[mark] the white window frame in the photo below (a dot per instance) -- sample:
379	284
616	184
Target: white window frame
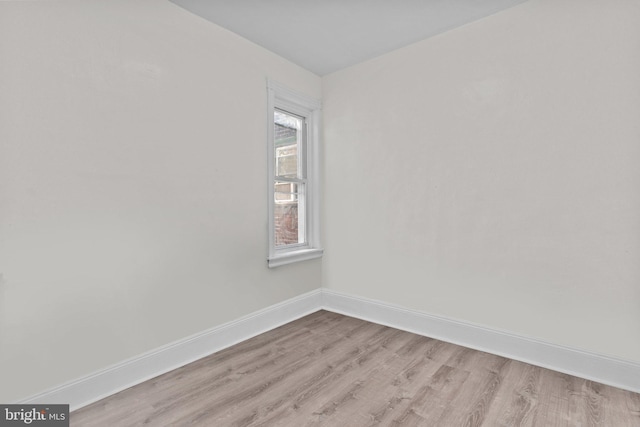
282	98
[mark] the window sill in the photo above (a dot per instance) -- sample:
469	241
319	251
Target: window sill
294	256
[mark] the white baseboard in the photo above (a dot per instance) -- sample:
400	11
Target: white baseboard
615	372
89	389
130	372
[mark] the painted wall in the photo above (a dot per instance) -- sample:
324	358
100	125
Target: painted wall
490	174
132	184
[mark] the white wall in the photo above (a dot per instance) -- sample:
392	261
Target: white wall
132	184
490	174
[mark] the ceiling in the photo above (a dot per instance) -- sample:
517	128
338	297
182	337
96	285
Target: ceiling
324	36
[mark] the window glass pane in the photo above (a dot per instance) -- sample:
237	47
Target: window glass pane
287	140
287	212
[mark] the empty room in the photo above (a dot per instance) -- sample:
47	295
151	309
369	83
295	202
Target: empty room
336	213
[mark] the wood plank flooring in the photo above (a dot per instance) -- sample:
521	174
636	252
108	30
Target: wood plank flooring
331	370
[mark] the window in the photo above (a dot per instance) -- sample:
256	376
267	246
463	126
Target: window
293	176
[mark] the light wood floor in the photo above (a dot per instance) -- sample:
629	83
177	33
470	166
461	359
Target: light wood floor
331	370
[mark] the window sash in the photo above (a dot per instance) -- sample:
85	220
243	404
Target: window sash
306	181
